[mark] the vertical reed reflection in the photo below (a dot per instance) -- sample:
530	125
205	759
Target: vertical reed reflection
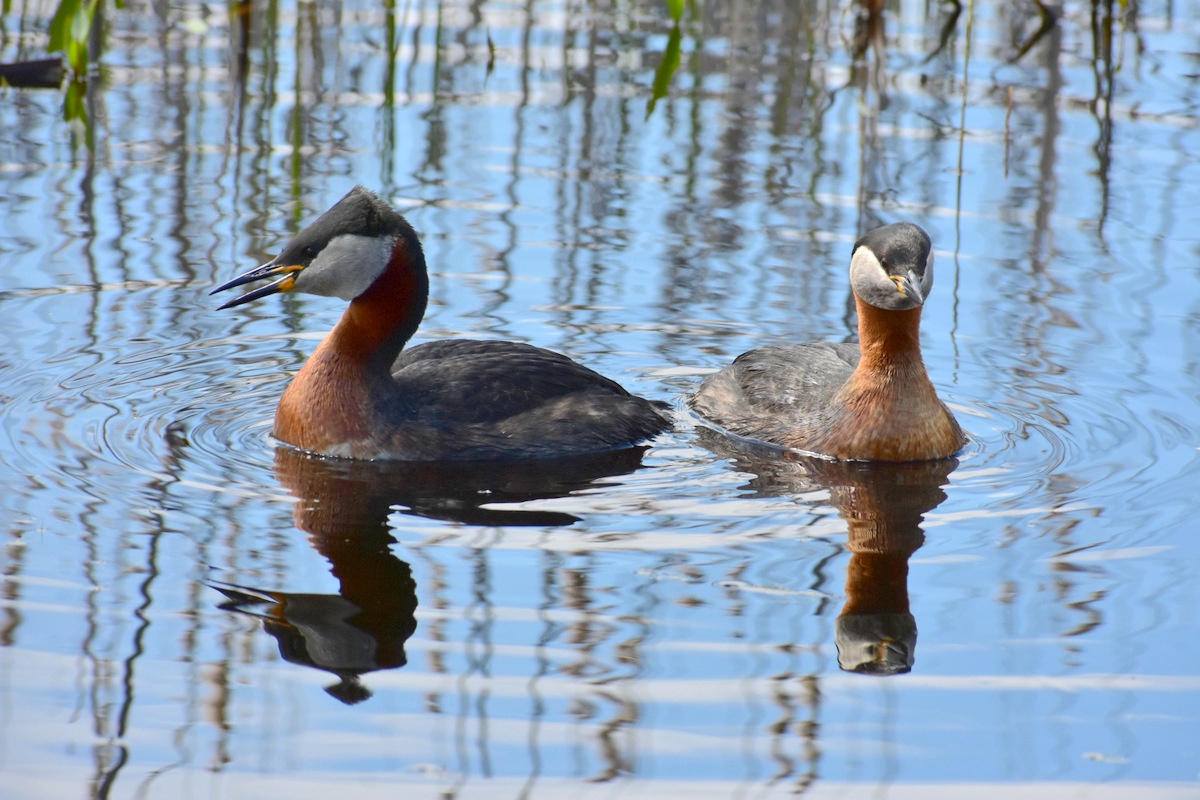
1042	245
386	115
869	74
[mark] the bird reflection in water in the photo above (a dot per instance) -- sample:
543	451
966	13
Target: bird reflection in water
883	504
344	505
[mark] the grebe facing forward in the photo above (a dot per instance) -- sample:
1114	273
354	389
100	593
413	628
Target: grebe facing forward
870	401
360	396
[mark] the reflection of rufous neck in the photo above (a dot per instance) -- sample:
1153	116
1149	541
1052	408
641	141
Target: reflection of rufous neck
382	587
877	577
346	518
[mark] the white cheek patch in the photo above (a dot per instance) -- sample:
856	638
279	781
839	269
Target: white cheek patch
869	279
346	267
865	268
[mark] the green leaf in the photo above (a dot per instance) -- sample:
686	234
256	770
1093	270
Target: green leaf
70	29
60	24
75	111
666	70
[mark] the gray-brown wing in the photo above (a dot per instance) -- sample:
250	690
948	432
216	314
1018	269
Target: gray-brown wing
773	390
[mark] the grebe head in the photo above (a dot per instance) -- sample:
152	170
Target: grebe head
341	254
892	267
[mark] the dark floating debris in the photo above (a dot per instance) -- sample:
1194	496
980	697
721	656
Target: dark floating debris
42	73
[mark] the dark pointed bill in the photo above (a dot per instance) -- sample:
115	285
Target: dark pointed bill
286	280
909	285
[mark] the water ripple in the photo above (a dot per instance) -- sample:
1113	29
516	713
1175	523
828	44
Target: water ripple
81	417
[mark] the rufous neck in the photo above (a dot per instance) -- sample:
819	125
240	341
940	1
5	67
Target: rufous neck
378	323
888	339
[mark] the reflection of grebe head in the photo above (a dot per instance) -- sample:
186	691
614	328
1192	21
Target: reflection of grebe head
350	691
876	644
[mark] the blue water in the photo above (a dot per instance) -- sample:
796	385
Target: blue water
664	624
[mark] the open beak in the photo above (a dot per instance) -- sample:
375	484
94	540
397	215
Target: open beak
909	285
286	279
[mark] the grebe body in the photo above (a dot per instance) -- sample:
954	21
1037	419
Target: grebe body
872	400
363	395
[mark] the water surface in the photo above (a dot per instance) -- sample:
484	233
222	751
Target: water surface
189	610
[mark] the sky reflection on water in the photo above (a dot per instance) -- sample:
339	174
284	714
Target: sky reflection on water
680	621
